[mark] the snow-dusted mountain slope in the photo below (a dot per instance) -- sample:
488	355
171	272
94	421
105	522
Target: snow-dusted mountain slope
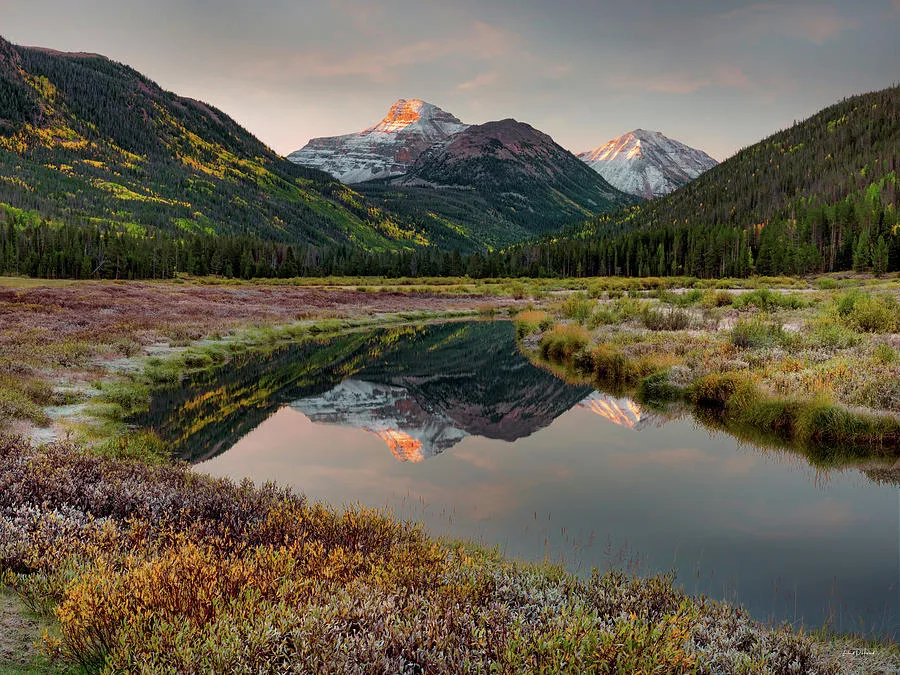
387	149
647	164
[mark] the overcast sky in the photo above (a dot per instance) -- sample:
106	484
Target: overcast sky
715	74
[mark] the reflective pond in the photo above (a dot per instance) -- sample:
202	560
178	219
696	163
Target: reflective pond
451	426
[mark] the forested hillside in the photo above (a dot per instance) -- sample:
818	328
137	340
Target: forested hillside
820	196
86	141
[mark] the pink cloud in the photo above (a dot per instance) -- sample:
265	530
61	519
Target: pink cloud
681	83
481	80
818	28
810	22
671	83
479	42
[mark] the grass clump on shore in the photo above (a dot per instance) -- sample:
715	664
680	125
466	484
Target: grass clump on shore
531	321
157	569
562	342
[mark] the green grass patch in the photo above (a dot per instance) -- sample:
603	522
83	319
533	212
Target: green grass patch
868	313
829	333
767	300
757	332
686	299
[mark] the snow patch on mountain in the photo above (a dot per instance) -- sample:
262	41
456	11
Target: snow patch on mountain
387	149
647	163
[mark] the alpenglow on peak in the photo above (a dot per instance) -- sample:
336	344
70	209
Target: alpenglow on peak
647	163
386	149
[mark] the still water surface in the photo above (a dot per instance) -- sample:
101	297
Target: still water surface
449	425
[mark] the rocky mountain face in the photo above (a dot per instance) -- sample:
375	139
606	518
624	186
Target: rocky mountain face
387	149
647	164
505	180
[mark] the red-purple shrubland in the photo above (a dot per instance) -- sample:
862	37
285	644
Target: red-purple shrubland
158	569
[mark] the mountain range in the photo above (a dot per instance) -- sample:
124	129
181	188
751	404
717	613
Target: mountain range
85	141
642	163
498	182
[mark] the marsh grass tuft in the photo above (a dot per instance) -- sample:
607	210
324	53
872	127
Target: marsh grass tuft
562	342
666	319
577	307
757	332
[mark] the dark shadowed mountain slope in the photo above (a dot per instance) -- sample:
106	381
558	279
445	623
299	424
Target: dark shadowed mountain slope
502	182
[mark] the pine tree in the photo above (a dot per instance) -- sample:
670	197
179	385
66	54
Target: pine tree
862	253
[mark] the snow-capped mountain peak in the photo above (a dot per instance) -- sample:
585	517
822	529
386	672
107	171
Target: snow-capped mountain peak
386	149
647	163
423	116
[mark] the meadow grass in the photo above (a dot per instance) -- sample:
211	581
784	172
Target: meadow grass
806	370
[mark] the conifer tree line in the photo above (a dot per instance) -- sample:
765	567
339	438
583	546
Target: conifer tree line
859	233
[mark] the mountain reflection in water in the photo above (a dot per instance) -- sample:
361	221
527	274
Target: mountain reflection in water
422	389
416	428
